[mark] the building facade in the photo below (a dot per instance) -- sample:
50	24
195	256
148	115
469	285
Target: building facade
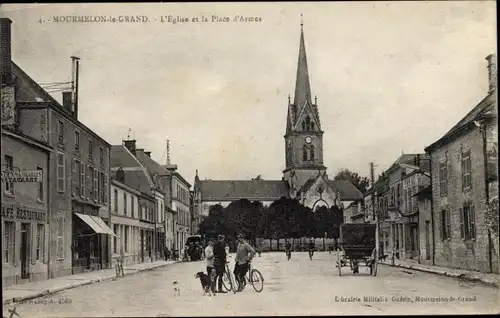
125	216
25	209
78	172
181	204
462	186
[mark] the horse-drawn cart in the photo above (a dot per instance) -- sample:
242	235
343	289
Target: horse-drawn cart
358	244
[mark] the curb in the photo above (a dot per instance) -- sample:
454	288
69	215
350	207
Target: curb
467	277
75	285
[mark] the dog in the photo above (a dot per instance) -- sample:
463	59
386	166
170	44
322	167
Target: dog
205	283
177	288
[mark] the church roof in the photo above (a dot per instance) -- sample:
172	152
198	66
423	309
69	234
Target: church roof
302	84
229	190
347	190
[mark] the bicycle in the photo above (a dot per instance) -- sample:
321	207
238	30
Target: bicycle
228	280
254	277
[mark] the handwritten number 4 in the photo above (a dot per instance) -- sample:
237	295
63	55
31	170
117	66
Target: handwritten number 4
13	312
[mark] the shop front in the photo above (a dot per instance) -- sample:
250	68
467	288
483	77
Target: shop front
24	255
90	241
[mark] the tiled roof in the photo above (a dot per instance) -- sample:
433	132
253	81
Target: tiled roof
348	192
483	106
121	157
228	190
307	185
152	166
138	180
27	90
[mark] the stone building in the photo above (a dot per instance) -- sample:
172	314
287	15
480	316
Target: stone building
78	188
464	177
304	176
25	206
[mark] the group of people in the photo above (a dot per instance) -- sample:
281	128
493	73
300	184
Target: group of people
216	254
311	248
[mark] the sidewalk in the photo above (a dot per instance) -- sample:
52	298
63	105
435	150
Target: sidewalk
486	278
18	293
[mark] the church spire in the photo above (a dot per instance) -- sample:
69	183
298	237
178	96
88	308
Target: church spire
302	85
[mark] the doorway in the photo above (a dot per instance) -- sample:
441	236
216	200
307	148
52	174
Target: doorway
25	250
427	241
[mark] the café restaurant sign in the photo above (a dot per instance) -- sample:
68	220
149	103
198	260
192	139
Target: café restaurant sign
21	213
22	176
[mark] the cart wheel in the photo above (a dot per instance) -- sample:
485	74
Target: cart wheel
339	263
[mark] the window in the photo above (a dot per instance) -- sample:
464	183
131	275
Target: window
60	131
125	239
91	149
99	187
124	203
61	172
443	180
103	189
116	200
82	180
115	239
445	224
467	222
304	153
9	241
101	155
77	141
60	238
132	207
40	186
94	188
40	234
9	163
311	153
466	171
308	123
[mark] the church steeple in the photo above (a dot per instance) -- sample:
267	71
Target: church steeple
302	85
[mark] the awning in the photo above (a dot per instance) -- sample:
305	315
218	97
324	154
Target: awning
96	224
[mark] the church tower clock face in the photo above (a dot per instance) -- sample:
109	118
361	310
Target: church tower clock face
308	139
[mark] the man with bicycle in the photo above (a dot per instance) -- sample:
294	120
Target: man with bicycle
244	255
219	251
288	250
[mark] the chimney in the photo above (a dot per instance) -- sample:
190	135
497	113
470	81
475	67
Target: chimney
5	50
492	72
120	175
148	153
130	144
66	100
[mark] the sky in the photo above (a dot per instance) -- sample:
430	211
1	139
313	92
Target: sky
390	77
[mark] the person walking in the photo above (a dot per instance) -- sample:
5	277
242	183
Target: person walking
209	255
244	255
311	248
288	250
220	261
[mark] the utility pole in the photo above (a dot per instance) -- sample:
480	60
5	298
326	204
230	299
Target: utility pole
375	212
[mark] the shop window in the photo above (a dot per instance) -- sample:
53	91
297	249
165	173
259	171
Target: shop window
60	238
9	163
40	234
61	172
9	242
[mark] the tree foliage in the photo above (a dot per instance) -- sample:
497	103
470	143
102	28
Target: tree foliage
362	183
285	217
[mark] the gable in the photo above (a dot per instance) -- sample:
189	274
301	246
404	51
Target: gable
307	110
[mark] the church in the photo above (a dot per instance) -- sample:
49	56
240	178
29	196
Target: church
304	177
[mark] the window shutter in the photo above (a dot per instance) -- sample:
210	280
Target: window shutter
95	184
448	223
440	225
82	180
462	225
106	189
45	243
73	177
472	222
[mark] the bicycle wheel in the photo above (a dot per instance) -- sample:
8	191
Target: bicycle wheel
257	280
226	281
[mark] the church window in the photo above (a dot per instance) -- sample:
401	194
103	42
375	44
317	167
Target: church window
308	123
304	153
312	126
303	125
311	153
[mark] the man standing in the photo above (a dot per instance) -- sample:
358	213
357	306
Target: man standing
220	261
288	250
209	254
311	248
244	255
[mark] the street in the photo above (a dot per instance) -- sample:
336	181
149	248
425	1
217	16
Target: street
296	287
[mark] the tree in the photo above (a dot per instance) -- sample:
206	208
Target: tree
362	183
